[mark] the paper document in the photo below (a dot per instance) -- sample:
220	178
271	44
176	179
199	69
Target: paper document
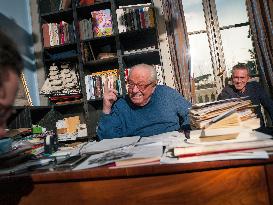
168	139
109	144
152	150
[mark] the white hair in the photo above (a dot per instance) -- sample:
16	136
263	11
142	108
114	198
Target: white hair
151	69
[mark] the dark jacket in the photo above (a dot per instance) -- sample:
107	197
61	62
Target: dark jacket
256	94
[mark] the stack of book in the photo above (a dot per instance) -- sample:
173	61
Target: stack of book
248	145
225	130
225	112
223	119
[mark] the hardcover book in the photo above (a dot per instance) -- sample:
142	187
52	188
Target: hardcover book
102	23
46	35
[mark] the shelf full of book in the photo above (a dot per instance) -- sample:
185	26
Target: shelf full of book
94	41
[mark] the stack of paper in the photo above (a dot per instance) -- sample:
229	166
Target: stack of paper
223	120
121	152
248	145
222	148
223	113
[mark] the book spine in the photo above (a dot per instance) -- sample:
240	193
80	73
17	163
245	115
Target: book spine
131	19
56	33
62	40
138	19
135	19
151	17
51	34
146	17
87	85
46	35
142	18
81	30
120	18
127	19
90	31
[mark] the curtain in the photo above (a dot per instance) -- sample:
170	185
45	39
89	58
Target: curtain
261	22
179	45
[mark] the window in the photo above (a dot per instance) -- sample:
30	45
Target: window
219	38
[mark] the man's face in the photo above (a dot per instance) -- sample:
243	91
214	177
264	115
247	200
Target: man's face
239	79
8	89
140	88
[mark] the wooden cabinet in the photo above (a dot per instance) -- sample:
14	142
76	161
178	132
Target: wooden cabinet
235	182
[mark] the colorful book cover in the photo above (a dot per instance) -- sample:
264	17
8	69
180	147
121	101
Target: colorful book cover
102	23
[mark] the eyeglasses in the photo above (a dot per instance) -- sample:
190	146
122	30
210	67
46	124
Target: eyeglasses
140	87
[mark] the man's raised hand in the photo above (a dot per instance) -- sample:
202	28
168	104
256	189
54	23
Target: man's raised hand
109	97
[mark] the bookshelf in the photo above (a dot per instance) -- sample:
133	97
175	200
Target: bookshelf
125	35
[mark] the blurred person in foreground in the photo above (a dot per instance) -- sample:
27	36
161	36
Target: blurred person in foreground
11	66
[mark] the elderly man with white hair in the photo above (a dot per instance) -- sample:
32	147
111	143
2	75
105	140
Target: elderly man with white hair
148	109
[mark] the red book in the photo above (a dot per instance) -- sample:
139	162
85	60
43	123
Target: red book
62	40
45	28
142	18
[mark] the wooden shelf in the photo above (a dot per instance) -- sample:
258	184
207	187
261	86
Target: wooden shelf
61	47
102	38
116	43
57	16
102	61
149	57
85	11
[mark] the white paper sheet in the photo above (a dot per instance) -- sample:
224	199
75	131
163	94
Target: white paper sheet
109	144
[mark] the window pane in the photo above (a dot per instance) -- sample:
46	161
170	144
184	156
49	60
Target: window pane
201	68
200	55
231	12
194	15
237	46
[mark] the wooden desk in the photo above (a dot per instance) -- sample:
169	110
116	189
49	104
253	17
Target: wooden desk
213	183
